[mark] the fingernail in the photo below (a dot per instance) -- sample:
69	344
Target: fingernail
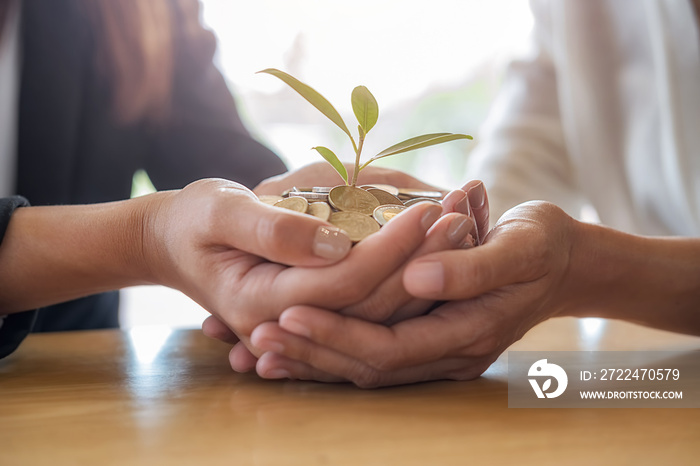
331	243
295	327
477	196
431	214
277	374
426	278
463	206
458	229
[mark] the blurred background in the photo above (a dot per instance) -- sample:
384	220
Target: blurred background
432	66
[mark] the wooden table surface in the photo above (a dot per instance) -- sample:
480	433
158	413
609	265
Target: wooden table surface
156	396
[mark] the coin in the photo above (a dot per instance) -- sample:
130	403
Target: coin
408	193
320	210
384	197
386	187
356	225
269	199
311	197
297	204
321	189
384	213
352	199
416	200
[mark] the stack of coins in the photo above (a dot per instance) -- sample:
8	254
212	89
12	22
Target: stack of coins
359	211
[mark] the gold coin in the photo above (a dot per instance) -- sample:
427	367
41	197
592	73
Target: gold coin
269	199
416	200
320	210
352	199
384	213
386	187
356	225
384	197
297	204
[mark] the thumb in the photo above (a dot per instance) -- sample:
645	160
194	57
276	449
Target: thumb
238	219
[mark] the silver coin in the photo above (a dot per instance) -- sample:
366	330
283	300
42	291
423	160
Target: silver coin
352	199
384	198
355	224
386	187
384	213
320	210
311	197
408	193
297	204
321	189
416	200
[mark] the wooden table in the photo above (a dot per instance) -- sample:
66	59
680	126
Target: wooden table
155	396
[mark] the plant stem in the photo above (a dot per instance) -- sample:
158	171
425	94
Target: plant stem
356	170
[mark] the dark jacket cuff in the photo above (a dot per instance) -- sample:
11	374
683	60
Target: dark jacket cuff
14	327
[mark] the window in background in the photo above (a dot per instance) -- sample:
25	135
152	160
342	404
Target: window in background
433	66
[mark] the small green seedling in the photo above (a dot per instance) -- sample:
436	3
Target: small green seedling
365	107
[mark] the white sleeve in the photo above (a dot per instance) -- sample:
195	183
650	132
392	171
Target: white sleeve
521	153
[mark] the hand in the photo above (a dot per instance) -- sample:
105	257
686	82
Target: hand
221	254
389	302
516	279
322	174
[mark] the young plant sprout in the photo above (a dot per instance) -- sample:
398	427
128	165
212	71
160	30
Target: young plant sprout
366	110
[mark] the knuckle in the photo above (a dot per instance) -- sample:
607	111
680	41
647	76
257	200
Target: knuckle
352	291
486	345
271	231
373	309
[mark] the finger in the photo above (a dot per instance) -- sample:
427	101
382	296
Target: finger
238	219
241	359
449	232
456	201
405	344
479	205
212	327
276	366
305	359
451	275
368	264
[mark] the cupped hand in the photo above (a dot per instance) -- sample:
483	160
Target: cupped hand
519	277
231	254
465	219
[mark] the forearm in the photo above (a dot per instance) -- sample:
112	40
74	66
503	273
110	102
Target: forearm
53	254
653	281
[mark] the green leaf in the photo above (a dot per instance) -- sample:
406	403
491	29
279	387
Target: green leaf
365	107
313	97
418	142
333	159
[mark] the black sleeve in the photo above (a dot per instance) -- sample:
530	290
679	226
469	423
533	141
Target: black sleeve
15	327
203	136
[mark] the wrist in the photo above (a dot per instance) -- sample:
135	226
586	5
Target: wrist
648	280
151	222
